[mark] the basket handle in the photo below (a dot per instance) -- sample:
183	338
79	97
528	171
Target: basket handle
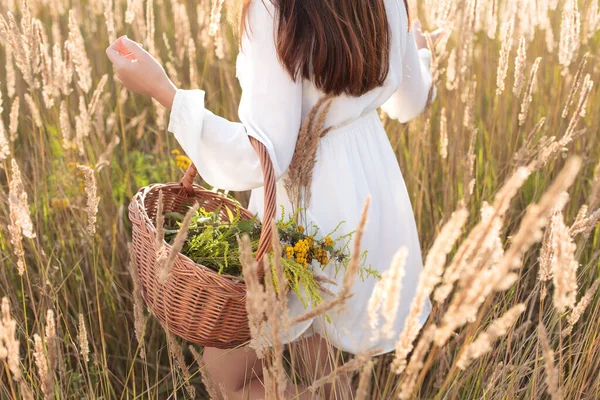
266	235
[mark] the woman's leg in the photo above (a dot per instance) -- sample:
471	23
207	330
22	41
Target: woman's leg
315	358
232	370
239	373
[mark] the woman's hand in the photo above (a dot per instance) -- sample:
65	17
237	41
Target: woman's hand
140	72
420	37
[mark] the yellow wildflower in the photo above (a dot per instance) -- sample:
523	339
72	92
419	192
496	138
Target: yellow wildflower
183	161
290	252
175	152
300	229
328	241
322	256
301	250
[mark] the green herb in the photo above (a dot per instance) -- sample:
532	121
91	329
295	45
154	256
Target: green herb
213	242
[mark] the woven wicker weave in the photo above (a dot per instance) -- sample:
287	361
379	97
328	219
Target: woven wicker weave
196	303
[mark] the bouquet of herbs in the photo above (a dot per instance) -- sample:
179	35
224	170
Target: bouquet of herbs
213	243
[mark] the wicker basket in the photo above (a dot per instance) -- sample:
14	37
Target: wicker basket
196	303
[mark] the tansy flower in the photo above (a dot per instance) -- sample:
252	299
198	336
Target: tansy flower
322	256
183	161
175	152
310	241
328	241
301	250
300	229
290	252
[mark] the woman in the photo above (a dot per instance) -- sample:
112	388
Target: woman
292	54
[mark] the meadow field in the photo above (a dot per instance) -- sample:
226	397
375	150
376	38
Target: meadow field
503	172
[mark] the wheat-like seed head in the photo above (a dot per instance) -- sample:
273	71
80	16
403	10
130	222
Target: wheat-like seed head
483	343
139	319
150	29
35	111
451	71
469	112
527	97
91	111
191	47
4	146
182	30
385	298
65	126
416	363
256	297
109	17
552	372
20	217
51	342
581	307
9	344
564	265
42	366
520	62
132	6
82	340
78	52
215	17
274	313
19	45
570	28
362	391
14	120
93	200
428	279
10	76
576	84
443	134
504	56
203	20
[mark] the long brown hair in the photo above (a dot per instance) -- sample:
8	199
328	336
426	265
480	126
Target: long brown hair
343	46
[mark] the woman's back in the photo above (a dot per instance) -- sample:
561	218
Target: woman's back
403	94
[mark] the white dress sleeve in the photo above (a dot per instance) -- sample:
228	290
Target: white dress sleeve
410	99
270	110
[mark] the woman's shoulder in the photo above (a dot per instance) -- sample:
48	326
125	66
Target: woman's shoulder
259	20
261	10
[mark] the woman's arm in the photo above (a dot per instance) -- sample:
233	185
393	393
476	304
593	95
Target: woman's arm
270	109
139	71
165	94
411	97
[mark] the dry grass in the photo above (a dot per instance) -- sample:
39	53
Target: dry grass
503	171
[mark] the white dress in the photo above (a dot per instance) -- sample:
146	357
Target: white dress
353	161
